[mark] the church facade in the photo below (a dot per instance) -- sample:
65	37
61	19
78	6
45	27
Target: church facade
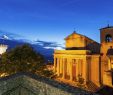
87	58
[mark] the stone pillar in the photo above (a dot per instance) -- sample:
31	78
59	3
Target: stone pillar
62	66
80	67
84	73
58	67
78	62
109	64
85	70
70	69
63	69
55	64
77	69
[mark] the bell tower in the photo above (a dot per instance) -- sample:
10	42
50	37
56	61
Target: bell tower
106	38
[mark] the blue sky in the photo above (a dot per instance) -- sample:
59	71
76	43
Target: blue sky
53	20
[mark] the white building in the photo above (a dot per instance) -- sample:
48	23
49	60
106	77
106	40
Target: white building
3	48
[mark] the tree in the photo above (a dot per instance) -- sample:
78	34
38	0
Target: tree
23	59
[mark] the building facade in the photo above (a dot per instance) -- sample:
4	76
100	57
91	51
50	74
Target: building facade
86	58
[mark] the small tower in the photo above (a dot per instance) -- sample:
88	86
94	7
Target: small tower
106	38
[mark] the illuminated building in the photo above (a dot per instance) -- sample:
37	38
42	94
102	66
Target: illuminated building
87	58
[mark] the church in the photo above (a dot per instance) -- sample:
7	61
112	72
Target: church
87	58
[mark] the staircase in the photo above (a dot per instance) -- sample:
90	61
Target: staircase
92	87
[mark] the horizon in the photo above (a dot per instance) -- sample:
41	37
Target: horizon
52	21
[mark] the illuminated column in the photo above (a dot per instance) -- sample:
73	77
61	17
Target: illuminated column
84	73
70	69
77	69
78	62
109	64
61	66
80	67
58	67
68	66
85	69
63	69
55	64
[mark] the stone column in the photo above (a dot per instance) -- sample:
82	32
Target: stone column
85	69
88	62
68	66
109	64
58	67
70	69
77	69
55	64
80	67
63	69
61	66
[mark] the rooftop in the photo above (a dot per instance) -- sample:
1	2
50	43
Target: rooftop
35	85
108	26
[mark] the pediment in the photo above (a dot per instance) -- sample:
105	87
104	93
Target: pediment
74	35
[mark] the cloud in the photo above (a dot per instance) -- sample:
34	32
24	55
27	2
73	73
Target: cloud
49	45
19	38
10	35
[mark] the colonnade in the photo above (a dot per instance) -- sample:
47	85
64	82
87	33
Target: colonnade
69	68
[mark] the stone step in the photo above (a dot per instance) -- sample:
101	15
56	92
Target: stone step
91	86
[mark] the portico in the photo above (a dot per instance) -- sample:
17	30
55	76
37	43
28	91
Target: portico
79	60
69	64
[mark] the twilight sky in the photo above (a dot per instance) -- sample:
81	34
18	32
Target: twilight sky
53	20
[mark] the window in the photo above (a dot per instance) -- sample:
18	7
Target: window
108	38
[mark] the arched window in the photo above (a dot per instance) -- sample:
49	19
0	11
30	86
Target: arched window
108	38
